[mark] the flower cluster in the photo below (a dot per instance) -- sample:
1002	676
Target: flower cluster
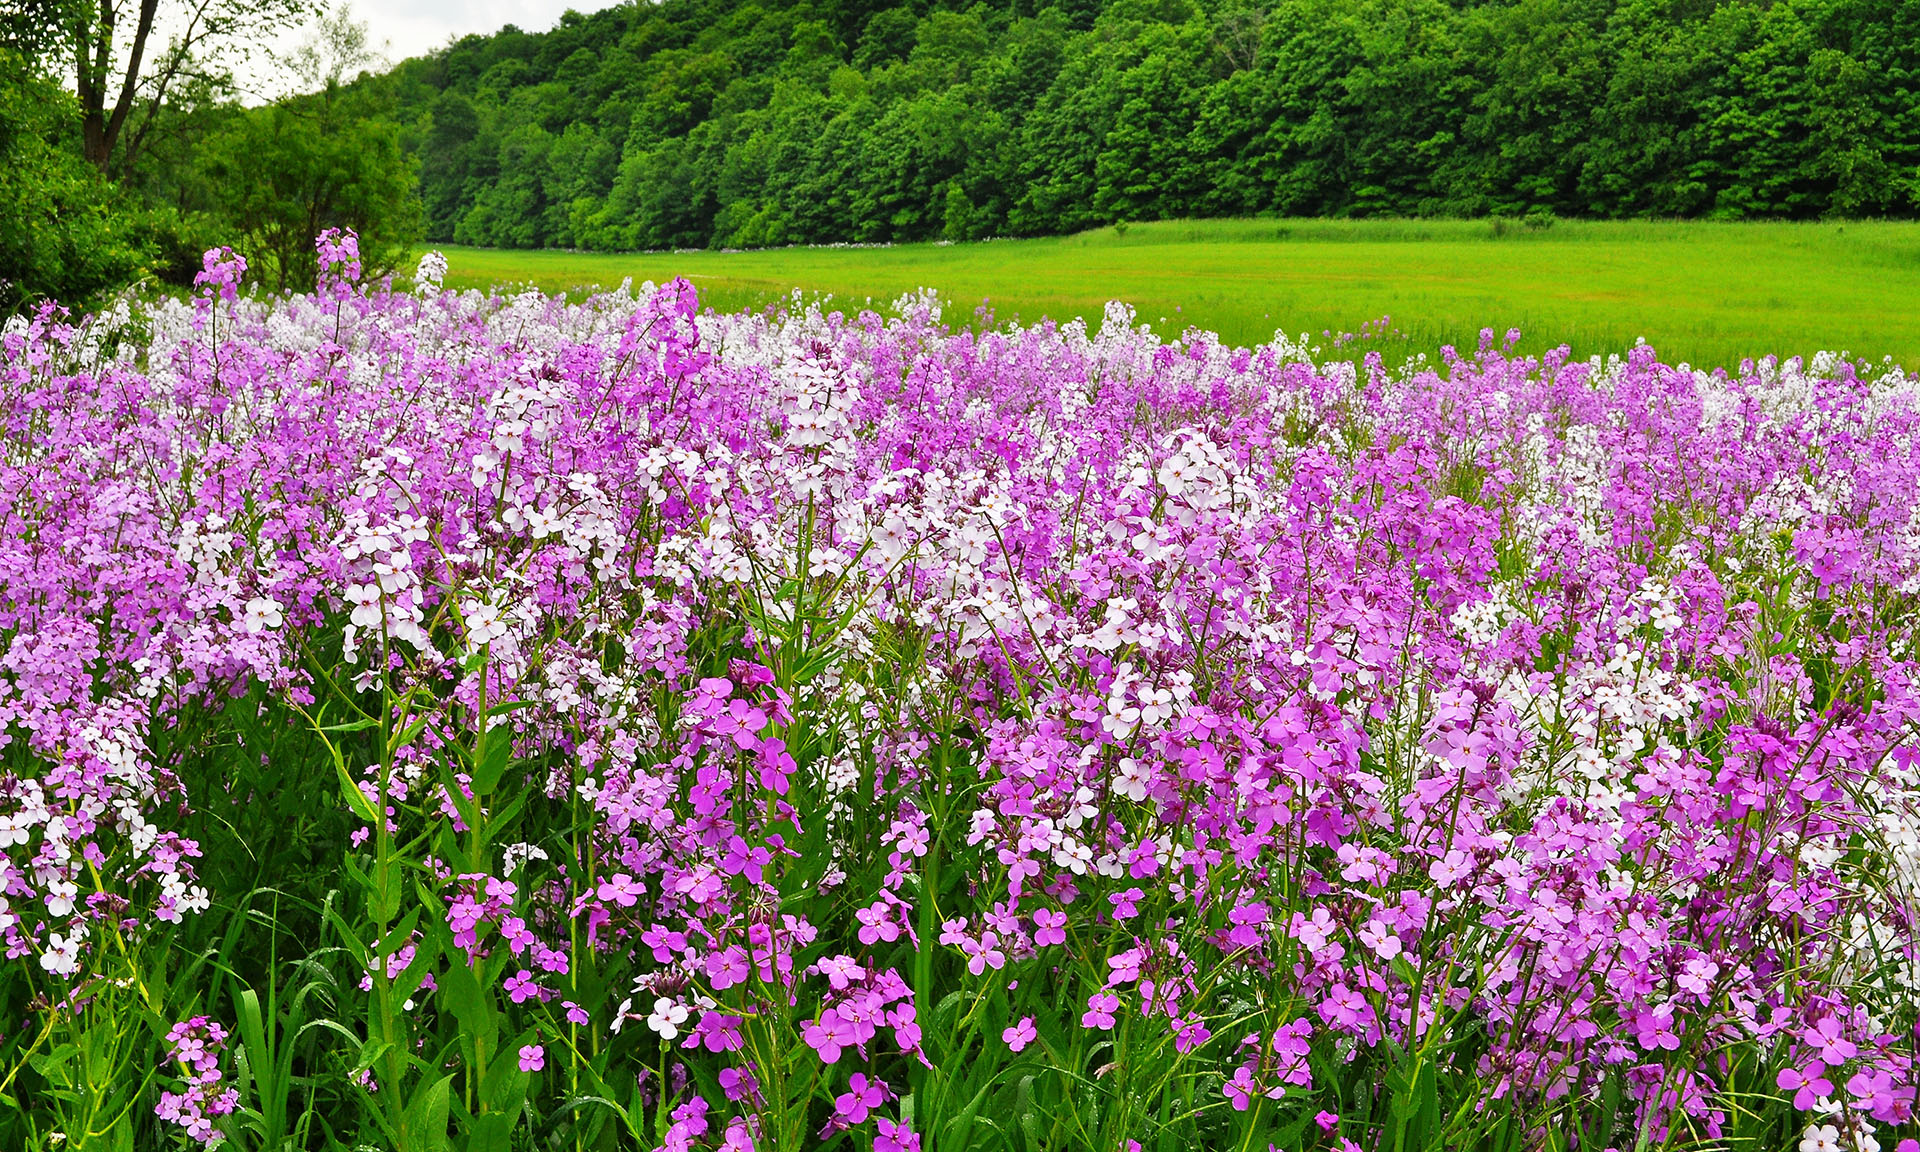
195	1045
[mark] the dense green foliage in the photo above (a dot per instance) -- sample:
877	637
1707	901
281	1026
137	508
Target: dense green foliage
96	195
283	173
64	230
695	122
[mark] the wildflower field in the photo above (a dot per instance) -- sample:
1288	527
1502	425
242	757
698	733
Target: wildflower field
440	720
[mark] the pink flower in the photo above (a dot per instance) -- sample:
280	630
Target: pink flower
1101	1007
1379	938
1829	1036
983	953
1655	1029
1018	1036
1807	1085
861	1096
521	987
841	970
622	889
906	1026
829	1035
1240	1089
1189	1032
876	923
1314	932
738	1085
532	1058
727	967
1450	868
893	1137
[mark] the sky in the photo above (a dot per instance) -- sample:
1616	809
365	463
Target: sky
403	28
398	29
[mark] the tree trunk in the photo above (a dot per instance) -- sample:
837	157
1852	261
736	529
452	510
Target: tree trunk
99	127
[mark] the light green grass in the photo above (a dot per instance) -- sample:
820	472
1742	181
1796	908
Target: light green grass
1702	292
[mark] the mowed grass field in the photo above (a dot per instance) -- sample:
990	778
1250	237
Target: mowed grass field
1706	293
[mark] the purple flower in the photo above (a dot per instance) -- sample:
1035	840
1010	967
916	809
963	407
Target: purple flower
892	1137
862	1095
1101	1007
1240	1089
1018	1036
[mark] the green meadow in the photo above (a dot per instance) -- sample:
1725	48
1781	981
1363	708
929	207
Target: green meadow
1705	293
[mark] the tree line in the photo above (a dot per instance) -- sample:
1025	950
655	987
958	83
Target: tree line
691	123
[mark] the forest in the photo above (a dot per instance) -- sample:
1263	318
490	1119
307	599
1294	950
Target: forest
696	123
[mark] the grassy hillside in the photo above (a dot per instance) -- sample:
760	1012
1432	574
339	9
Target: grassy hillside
1706	293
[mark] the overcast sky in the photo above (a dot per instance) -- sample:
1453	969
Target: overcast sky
397	29
404	28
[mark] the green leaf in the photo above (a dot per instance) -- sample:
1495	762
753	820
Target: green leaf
425	1123
391	942
351	726
348	934
350	792
492	764
504	1088
370	1053
490	1132
383	898
462	993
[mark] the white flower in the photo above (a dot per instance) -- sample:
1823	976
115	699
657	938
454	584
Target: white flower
60	897
510	435
1820	1138
1175	473
666	1018
516	855
542	522
1156	706
1121	718
365	599
262	613
433	268
483	624
62	957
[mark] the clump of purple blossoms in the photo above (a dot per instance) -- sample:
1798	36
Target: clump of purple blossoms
195	1046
